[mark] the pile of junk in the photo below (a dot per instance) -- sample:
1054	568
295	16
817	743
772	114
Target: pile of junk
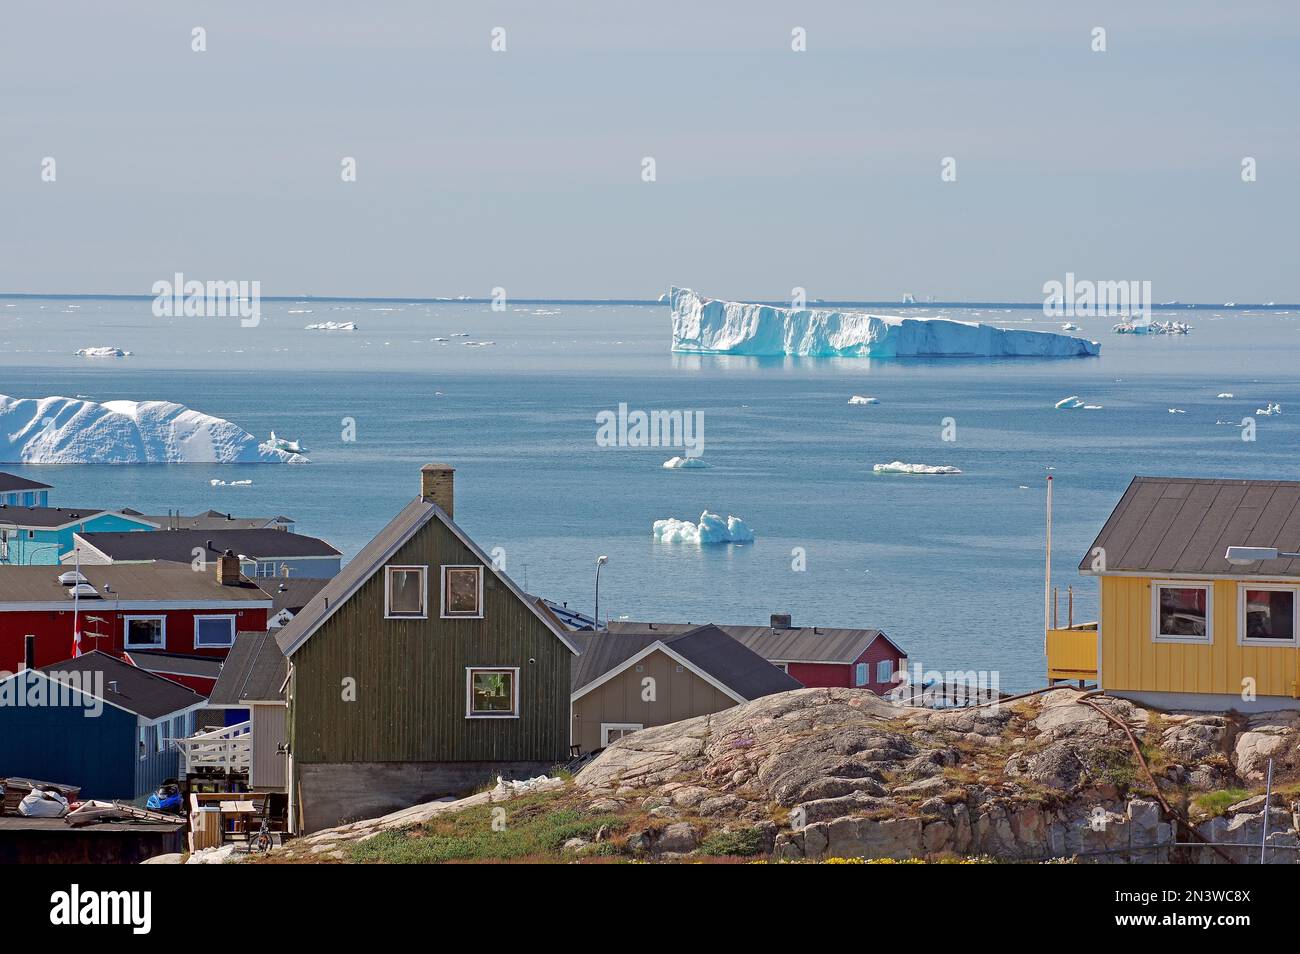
30	798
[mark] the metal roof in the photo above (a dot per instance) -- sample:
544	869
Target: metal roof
125	686
179	545
254	671
812	644
1183	526
126	583
707	647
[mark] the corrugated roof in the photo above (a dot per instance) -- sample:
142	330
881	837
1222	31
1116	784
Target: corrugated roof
1183	526
125	582
179	545
254	671
816	644
136	690
365	564
707	647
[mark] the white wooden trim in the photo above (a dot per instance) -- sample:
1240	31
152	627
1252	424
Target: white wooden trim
469	692
606	726
126	631
234	630
661	647
1242	640
1179	584
424	590
442	590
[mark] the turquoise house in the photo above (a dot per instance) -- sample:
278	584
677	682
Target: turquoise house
39	536
18	491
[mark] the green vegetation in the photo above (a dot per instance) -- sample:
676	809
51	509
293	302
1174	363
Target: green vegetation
528	828
1113	764
743	841
1216	803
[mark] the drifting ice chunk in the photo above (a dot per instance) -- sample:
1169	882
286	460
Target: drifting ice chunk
684	463
1225	394
280	443
1176	410
102	353
61	430
711	529
230	483
1270	410
331	326
898	467
862	399
721	327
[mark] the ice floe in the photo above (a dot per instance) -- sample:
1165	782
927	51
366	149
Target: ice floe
721	327
230	483
1270	410
712	528
62	430
685	463
102	353
1225	394
863	399
898	467
331	326
280	443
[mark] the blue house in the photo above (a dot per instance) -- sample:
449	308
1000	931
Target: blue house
32	536
21	492
96	722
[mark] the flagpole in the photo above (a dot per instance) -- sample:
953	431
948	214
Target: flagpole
1047	584
76	595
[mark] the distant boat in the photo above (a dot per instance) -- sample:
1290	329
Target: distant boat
279	443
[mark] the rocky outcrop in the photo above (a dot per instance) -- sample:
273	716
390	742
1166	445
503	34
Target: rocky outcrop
852	775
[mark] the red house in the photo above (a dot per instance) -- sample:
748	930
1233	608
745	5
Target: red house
816	656
148	607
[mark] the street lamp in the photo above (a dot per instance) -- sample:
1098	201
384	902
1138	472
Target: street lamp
1243	556
600	561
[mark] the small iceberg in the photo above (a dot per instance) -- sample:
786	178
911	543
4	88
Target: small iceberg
712	528
1075	403
1270	410
230	483
1070	326
1225	394
684	463
898	467
102	353
279	443
863	399
331	326
1176	410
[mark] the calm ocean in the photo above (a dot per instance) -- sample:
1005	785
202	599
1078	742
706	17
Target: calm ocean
949	566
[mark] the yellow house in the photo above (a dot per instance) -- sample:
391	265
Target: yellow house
1183	626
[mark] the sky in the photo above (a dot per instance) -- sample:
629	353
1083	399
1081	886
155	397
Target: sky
774	168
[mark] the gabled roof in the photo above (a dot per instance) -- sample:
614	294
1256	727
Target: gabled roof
570	618
807	644
216	520
12	483
254	671
179	545
49	518
708	651
1182	526
137	690
292	593
409	521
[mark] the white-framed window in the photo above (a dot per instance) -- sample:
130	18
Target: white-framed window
462	592
145	632
491	692
406	592
1182	612
885	670
860	674
214	632
612	731
1266	615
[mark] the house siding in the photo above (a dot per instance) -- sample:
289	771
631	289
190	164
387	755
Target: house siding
1131	661
156	767
830	675
410	675
677	696
267	771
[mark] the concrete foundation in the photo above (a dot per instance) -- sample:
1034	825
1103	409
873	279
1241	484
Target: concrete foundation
335	793
1205	701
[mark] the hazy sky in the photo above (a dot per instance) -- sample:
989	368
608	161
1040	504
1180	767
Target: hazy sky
775	168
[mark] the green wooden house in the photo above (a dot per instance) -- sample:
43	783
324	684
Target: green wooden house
419	671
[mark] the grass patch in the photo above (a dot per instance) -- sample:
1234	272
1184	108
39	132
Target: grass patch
532	828
1216	803
742	842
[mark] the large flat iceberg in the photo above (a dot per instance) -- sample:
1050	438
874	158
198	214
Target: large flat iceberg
729	327
60	430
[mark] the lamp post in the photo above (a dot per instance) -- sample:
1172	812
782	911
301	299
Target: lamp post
1243	556
600	561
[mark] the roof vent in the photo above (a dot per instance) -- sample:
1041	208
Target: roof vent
71	578
782	621
112	685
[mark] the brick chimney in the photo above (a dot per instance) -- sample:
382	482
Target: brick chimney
782	621
228	569
436	485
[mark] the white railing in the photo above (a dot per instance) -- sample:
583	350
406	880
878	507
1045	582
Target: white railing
228	750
